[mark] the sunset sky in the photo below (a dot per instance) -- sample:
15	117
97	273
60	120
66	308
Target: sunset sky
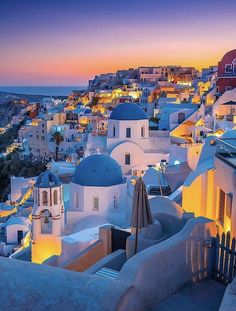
67	42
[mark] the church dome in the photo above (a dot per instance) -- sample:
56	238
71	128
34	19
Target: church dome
128	111
47	180
98	170
229	134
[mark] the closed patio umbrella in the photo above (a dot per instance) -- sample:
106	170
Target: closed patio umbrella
141	213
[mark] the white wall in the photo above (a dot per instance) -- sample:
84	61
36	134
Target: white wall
121	126
105	197
12	233
162	269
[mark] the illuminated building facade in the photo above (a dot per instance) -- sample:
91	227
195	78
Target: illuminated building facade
226	79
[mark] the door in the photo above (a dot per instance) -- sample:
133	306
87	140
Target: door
19	236
118	238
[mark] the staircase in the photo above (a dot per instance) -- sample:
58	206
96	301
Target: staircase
107	273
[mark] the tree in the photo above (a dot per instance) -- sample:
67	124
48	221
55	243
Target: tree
58	139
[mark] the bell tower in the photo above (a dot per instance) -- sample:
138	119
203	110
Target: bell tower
47	216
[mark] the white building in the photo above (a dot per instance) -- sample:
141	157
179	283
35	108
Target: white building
224	111
16	228
48	209
47	217
129	140
98	188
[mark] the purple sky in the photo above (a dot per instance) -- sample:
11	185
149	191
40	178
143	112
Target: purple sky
58	42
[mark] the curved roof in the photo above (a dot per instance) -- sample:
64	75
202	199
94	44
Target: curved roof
98	170
229	56
229	134
164	205
128	111
23	221
47	180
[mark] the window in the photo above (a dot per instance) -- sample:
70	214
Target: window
76	199
128	132
228	88
228	68
127	158
37	136
232	111
181	117
45	198
95	204
221	206
114	131
234	66
142	131
55	197
38	197
229	200
42	137
115	202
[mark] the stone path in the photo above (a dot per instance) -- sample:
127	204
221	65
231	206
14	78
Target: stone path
203	296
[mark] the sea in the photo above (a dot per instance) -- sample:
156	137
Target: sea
42	90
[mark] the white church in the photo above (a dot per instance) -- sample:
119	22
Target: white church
98	188
129	140
97	196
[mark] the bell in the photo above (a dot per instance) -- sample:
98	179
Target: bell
46	221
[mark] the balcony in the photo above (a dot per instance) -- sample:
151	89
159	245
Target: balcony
226	151
227	74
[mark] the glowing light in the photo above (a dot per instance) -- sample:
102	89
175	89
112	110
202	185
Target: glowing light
176	162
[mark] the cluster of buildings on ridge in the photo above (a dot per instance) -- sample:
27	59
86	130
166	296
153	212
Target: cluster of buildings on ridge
170	125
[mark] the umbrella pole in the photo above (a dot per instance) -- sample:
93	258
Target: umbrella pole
136	241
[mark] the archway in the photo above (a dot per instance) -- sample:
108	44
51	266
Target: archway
46	222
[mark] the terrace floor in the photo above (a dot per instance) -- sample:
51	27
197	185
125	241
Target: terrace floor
204	296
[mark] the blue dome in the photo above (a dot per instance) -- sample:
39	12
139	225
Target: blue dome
98	170
47	180
229	134
128	111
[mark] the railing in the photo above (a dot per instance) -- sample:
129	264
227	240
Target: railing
225	259
226	151
227	74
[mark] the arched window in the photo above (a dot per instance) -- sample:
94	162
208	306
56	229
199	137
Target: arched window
115	202
76	199
181	117
114	131
46	222
55	197
142	131
45	197
234	66
95	204
127	158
